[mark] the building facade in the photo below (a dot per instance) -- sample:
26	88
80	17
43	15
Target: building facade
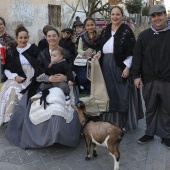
35	14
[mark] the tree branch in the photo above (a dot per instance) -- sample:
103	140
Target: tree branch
104	7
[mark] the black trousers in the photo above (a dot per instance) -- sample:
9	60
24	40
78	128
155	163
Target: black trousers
157	101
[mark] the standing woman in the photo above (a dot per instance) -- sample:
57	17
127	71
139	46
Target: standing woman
86	48
21	61
116	45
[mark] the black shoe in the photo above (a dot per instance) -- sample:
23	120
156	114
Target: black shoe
145	139
166	142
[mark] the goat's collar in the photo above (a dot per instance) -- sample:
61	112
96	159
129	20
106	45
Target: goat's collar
89	118
84	122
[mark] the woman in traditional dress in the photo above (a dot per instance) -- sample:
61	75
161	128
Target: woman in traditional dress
32	126
86	49
21	62
116	51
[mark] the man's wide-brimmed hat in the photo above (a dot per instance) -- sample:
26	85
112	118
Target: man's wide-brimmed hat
157	9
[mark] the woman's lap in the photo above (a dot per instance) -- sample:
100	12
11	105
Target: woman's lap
81	72
10	94
9	98
22	132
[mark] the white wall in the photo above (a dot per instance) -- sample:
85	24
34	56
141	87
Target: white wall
34	15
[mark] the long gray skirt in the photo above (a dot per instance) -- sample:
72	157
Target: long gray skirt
125	106
23	133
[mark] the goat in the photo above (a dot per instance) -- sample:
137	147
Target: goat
99	133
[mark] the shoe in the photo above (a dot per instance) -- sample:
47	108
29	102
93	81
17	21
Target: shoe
36	97
145	139
166	142
67	98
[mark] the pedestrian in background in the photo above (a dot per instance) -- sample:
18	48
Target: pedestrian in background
77	20
5	39
79	30
151	70
68	45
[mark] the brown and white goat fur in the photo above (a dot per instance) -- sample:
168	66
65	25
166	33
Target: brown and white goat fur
99	133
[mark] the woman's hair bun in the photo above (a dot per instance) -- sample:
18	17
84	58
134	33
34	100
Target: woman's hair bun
20	28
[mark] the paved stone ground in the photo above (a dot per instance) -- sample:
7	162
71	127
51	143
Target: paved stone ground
152	156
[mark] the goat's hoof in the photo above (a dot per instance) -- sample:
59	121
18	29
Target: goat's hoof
87	158
95	154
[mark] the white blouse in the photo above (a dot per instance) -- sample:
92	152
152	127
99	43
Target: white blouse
23	61
108	48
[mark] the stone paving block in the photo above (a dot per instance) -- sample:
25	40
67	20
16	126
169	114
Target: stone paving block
46	158
95	165
77	155
52	152
41	151
3	155
8	166
15	160
53	165
60	157
167	163
155	154
141	157
139	164
72	163
102	160
40	165
143	149
10	155
11	148
85	166
31	165
25	158
155	166
63	167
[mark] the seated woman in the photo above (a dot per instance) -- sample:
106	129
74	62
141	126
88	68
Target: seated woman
54	129
21	62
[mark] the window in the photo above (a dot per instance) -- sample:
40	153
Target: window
54	14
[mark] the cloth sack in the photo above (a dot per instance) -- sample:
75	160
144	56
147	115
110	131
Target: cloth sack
99	99
81	60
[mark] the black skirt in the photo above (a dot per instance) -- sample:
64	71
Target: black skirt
125	106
